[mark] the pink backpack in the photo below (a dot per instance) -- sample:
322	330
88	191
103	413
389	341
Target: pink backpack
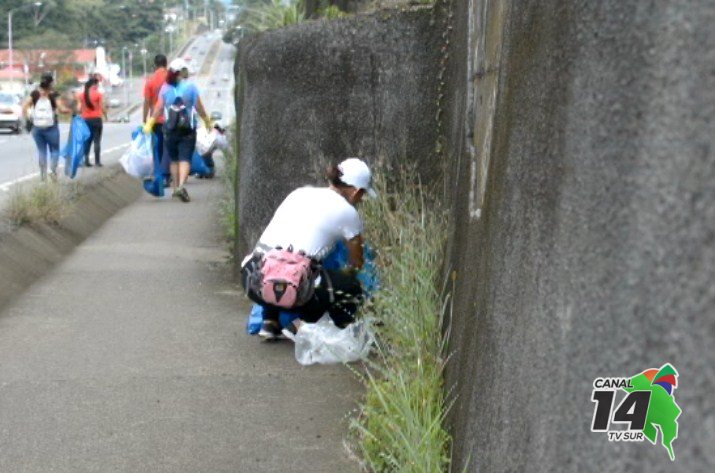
287	278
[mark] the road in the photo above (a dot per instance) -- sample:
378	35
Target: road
19	161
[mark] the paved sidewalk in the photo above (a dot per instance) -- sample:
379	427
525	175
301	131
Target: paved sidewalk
131	356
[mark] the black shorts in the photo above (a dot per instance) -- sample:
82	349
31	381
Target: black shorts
180	146
339	293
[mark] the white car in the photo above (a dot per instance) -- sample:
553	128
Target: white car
10	112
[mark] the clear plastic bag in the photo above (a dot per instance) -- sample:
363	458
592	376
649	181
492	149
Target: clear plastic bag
204	140
324	343
138	160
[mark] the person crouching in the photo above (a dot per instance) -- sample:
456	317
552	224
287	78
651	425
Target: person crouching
284	272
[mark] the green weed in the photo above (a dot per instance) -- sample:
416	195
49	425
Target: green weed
400	425
227	206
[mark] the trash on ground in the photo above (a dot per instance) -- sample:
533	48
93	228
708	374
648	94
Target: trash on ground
324	343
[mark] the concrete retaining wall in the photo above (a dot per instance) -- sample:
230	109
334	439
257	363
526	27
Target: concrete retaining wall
321	91
579	168
581	142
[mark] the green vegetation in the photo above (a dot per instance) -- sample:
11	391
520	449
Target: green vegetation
227	207
77	23
38	203
73	24
261	15
399	427
332	12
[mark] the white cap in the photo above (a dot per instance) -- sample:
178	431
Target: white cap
356	173
178	64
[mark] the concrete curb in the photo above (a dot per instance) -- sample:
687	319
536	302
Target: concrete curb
29	252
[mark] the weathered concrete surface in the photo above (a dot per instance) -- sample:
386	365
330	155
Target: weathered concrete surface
131	356
321	91
27	253
594	253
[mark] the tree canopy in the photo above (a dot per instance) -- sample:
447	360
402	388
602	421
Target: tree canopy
83	23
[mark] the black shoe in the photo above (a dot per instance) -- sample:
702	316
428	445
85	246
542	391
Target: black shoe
87	164
270	331
183	195
99	165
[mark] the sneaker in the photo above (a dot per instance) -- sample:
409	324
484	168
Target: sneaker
53	176
291	330
99	165
87	164
184	195
270	331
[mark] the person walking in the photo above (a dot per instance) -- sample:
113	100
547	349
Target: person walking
91	107
152	87
180	101
41	110
308	224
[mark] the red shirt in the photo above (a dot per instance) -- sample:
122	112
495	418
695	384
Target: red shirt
152	86
95	98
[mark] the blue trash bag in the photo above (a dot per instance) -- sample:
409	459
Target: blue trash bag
73	152
336	259
153	186
198	166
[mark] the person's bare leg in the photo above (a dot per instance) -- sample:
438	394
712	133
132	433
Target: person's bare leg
184	168
174	175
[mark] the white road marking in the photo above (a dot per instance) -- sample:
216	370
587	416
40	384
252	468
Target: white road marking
7	185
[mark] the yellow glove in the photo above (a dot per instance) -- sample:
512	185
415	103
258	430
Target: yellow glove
207	123
149	126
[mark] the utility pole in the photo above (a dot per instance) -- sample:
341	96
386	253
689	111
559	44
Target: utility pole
143	53
9	32
124	74
131	67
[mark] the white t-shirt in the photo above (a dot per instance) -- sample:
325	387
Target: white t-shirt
312	219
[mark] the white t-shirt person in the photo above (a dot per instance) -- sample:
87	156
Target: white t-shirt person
312	219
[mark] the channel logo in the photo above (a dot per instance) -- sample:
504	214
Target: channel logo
646	408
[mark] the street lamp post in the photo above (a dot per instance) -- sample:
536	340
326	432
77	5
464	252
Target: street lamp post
9	30
124	74
131	66
143	53
170	29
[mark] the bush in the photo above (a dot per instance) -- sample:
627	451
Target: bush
271	14
399	427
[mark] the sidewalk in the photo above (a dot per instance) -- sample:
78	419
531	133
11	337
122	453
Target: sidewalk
131	356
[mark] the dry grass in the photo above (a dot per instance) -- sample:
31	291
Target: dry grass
39	203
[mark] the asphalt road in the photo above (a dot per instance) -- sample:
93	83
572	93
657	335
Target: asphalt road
18	156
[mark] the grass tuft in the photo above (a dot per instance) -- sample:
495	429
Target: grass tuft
40	202
400	425
227	205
